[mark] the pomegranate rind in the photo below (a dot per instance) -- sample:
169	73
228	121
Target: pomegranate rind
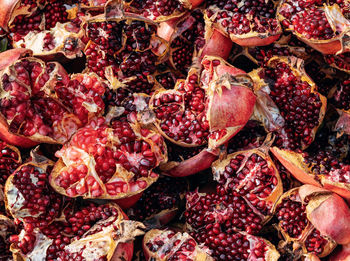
193	165
198	253
341	254
336	45
299	242
271	254
6	226
10	56
294	162
225	83
266	110
323	203
8	7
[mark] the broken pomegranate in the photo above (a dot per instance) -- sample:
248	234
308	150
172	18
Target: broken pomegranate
247	23
190	39
30	113
109	162
7	228
29	197
125	51
89	233
48	28
288	103
319	23
313	219
159	10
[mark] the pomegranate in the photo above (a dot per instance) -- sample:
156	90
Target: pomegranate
288	103
320	169
30	111
190	114
29	197
89	233
10	159
159	10
46	27
169	245
190	38
160	203
252	175
125	51
319	23
7	228
247	23
110	162
313	219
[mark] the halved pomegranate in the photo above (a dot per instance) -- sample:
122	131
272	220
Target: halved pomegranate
29	197
125	51
319	23
45	27
247	23
109	162
313	219
288	103
88	233
169	245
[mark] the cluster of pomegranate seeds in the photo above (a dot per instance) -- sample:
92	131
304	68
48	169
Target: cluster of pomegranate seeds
164	195
298	104
30	197
181	113
243	17
185	45
155	9
44	17
127	48
9	161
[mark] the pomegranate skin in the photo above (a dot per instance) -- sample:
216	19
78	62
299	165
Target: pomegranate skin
13	139
7	7
341	254
332	216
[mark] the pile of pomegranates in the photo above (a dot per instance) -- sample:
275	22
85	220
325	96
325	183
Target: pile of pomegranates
180	130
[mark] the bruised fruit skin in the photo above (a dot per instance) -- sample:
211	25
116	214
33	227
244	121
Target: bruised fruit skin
288	103
109	162
319	23
90	232
247	23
